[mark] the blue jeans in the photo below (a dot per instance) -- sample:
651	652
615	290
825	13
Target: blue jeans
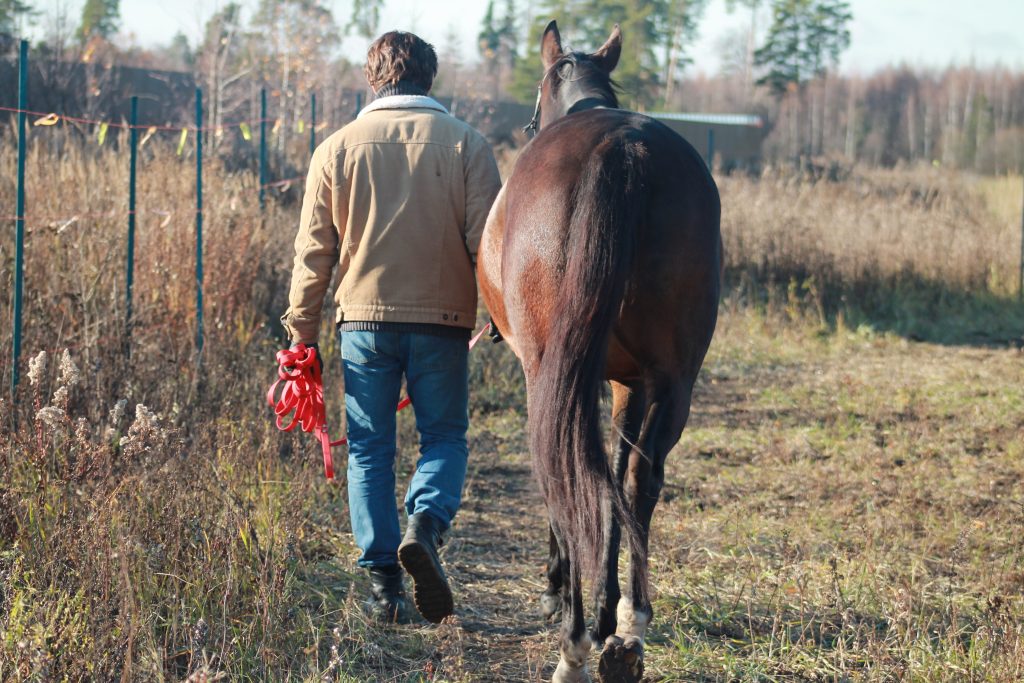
436	375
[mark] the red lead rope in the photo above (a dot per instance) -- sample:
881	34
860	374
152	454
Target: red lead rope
302	391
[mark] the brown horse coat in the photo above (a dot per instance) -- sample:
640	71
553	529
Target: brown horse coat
601	261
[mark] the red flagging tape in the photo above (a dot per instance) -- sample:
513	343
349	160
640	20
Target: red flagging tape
115	124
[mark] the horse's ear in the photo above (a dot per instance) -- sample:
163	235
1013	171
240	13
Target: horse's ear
608	54
551	45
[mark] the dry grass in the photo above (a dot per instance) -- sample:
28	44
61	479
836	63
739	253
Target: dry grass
924	252
881	224
846	503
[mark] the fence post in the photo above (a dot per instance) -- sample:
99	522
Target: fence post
1020	275
312	123
133	137
359	103
711	147
199	219
263	147
19	220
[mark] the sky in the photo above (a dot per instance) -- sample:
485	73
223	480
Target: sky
925	33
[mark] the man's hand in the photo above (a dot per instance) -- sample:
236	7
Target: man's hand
315	347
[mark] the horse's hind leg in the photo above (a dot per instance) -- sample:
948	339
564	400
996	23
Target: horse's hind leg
627	419
551	598
622	656
575	640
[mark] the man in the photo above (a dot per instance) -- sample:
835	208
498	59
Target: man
398	199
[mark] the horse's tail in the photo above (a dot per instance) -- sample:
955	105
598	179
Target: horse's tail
566	438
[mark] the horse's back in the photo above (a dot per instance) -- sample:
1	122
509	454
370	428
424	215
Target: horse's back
677	186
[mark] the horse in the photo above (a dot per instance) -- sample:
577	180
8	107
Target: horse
601	261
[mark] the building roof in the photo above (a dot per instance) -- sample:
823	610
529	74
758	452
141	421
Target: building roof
718	119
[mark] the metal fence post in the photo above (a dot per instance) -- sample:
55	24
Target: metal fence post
133	137
711	147
312	123
263	147
19	220
199	219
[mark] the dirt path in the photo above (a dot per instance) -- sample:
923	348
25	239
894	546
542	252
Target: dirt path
497	558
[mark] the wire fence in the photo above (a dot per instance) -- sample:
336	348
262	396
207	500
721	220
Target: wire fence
138	136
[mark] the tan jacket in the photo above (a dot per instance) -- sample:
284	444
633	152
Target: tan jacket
397	199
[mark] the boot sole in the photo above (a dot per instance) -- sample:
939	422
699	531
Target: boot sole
430	592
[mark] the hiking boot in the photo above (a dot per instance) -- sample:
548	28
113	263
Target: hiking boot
418	554
387	603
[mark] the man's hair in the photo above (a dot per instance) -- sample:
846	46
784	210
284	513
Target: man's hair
400	56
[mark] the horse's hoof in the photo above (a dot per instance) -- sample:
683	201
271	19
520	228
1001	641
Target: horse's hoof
622	661
551	606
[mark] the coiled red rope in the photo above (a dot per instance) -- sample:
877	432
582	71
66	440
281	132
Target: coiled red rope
302	392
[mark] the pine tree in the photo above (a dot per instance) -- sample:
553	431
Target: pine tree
489	39
100	18
180	50
498	44
509	35
11	12
365	18
655	34
804	38
528	69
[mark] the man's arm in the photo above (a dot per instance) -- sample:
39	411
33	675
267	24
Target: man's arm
482	184
316	253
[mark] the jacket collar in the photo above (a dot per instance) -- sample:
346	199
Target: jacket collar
403	102
399	87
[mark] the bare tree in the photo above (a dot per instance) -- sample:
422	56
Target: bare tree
222	61
291	44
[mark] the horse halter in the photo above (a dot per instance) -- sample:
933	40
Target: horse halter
534	123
